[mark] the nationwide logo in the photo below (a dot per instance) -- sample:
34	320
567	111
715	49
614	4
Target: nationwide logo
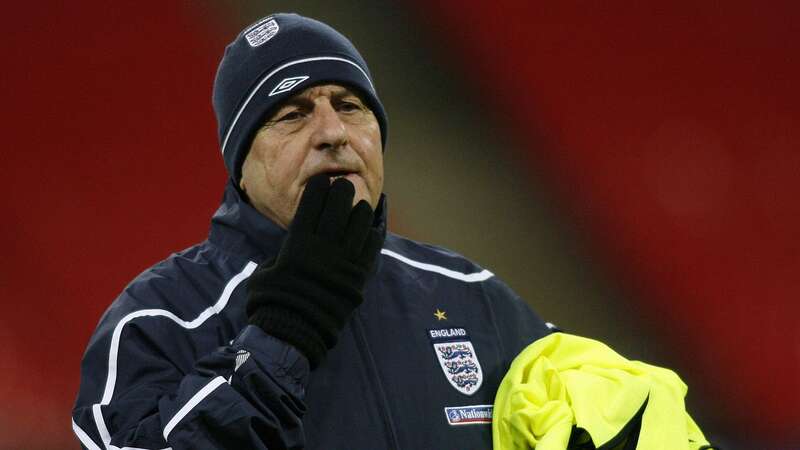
262	32
469	415
287	84
457	358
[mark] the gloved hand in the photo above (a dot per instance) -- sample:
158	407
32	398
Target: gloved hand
305	296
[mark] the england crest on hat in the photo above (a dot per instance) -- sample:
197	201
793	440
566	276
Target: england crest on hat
457	358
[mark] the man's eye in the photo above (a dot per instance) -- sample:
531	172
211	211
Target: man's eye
349	106
292	115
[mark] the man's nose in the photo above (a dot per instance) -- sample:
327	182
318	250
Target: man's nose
329	132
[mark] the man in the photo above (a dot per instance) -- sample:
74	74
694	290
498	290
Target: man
301	322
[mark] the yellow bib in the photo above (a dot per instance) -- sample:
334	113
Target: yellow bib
563	380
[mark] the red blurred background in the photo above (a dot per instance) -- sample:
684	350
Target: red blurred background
665	135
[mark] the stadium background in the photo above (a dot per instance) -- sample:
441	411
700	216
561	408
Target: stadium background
631	170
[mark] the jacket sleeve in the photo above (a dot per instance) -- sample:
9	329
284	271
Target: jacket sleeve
248	394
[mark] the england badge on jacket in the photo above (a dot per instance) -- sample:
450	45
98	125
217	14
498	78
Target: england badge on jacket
457	358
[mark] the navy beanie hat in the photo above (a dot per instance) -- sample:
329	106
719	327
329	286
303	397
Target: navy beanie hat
269	62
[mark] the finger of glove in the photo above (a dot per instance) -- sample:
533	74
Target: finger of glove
372	246
357	226
339	203
311	204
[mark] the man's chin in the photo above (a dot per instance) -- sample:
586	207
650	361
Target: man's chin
362	193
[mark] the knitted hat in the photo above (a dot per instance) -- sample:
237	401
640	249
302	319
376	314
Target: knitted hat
269	62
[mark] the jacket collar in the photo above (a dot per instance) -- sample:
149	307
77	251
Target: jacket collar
238	228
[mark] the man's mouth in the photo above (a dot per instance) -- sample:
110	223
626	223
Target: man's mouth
333	175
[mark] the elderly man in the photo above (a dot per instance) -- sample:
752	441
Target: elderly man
301	322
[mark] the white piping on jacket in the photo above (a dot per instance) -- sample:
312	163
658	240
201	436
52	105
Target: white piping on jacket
196	398
192	324
466	277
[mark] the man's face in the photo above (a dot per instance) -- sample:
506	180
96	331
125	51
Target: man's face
324	129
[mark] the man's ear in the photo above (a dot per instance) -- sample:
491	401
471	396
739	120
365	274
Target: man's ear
242	177
242	185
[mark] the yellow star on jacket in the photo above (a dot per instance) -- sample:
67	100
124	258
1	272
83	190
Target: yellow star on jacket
440	315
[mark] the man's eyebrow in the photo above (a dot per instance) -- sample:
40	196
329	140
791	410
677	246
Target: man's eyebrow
338	95
299	101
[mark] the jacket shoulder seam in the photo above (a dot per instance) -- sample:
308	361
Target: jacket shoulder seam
473	277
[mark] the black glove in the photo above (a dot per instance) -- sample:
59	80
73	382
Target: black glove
305	296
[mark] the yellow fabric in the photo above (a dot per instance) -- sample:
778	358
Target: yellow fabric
562	380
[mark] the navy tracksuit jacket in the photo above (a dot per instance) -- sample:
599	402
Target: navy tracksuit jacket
173	363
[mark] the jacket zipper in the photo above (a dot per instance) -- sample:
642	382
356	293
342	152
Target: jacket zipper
383	404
